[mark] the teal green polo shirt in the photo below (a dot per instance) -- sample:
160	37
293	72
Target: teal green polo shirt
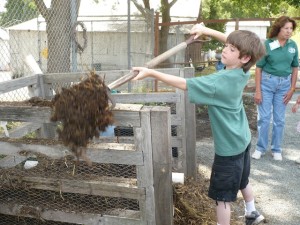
222	92
279	61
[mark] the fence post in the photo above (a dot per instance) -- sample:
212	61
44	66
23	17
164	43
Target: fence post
162	164
190	166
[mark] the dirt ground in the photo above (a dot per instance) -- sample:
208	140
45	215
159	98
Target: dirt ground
192	206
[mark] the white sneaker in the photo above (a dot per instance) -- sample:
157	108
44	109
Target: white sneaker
257	154
277	156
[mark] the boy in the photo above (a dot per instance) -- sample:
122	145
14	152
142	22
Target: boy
222	92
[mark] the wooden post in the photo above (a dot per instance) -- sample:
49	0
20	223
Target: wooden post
190	130
162	164
145	180
156	44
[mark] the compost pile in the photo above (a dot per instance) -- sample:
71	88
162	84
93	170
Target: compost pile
84	111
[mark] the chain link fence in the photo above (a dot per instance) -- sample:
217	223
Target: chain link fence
61	41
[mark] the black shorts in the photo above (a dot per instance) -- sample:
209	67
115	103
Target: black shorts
229	175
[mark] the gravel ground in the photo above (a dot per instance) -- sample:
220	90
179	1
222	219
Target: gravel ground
276	184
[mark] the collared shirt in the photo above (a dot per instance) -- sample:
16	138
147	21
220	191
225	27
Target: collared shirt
222	92
279	60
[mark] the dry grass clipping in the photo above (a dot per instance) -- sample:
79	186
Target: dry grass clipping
192	206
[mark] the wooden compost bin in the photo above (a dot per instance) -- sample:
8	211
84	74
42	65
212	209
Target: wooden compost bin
61	190
138	168
183	119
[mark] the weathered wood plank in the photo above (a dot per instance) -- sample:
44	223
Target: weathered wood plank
190	131
124	114
11	161
23	129
181	133
71	217
125	188
146	97
11	85
114	220
123	155
25	113
162	164
143	139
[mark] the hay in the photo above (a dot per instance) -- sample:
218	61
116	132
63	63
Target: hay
192	206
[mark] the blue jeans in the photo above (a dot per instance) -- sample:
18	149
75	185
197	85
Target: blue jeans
273	89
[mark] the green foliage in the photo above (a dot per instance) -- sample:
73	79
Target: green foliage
18	11
250	8
211	10
295	3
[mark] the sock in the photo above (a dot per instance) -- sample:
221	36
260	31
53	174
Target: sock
249	207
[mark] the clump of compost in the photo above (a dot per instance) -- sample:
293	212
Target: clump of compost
84	111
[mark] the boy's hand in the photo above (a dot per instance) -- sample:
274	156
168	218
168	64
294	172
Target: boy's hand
142	72
198	30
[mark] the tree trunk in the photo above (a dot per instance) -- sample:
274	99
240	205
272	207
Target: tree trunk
59	31
199	18
164	32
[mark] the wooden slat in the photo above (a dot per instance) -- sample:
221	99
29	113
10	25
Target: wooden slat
126	189
162	164
114	220
71	217
11	161
190	132
143	137
62	77
23	129
25	113
124	114
11	85
146	97
58	151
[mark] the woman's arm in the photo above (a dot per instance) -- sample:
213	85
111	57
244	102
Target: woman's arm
294	78
257	95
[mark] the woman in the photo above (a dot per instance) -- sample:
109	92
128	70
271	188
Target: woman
275	81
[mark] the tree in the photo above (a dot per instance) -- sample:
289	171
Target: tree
18	11
295	3
166	18
59	32
211	10
249	8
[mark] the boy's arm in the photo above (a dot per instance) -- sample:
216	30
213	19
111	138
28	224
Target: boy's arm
199	29
174	81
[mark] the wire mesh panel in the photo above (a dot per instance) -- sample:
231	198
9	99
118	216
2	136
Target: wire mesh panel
41	181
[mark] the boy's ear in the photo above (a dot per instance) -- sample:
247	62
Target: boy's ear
245	59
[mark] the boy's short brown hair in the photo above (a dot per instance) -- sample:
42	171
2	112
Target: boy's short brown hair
249	44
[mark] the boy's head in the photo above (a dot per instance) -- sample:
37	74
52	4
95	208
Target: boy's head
248	44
